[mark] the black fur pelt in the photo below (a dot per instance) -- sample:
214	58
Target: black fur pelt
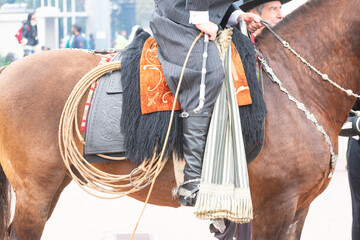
252	116
144	132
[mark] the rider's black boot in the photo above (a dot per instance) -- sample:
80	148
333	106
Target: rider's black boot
195	128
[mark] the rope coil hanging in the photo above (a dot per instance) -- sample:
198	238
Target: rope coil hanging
70	138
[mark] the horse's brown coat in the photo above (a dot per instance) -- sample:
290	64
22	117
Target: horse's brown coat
286	177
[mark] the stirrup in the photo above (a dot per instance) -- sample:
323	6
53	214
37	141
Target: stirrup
217	225
180	191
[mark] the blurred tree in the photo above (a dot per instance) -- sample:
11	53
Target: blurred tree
4	61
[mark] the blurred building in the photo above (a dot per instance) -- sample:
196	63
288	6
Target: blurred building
55	18
11	16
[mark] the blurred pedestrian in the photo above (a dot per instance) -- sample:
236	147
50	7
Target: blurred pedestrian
29	38
79	38
92	41
351	130
121	40
45	48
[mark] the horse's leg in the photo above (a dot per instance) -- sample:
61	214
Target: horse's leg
30	110
65	182
299	221
36	172
37	187
274	220
35	202
293	230
29	218
5	203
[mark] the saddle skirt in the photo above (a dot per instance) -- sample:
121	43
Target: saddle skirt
155	94
135	135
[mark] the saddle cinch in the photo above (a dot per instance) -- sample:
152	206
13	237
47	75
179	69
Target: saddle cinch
135	135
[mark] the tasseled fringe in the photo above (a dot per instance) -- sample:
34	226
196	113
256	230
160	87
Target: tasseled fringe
219	201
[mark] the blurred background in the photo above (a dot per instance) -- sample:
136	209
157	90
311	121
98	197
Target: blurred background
104	20
101	21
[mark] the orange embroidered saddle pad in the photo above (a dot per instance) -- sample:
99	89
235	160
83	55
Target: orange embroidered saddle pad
155	94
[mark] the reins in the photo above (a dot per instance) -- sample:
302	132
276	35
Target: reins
325	77
301	106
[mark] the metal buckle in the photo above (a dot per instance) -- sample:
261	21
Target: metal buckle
184	115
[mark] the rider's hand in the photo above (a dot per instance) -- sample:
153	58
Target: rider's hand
209	28
252	21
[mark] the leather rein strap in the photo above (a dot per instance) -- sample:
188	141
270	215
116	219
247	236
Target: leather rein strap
268	26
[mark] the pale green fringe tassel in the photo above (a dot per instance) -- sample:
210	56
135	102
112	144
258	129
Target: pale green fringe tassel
224	201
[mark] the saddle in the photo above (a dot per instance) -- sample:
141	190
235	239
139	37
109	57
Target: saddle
135	135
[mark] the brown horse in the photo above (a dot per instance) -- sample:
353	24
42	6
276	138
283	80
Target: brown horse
291	171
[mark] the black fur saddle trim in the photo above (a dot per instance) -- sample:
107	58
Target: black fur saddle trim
145	132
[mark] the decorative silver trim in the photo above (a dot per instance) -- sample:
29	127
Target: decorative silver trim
301	106
325	77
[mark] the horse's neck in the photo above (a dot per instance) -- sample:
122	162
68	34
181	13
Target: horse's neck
329	40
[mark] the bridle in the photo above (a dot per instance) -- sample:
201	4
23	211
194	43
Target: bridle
301	106
325	77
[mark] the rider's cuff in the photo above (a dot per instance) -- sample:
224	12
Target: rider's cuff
233	19
198	17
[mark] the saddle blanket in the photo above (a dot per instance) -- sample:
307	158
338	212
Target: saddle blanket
155	95
135	135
